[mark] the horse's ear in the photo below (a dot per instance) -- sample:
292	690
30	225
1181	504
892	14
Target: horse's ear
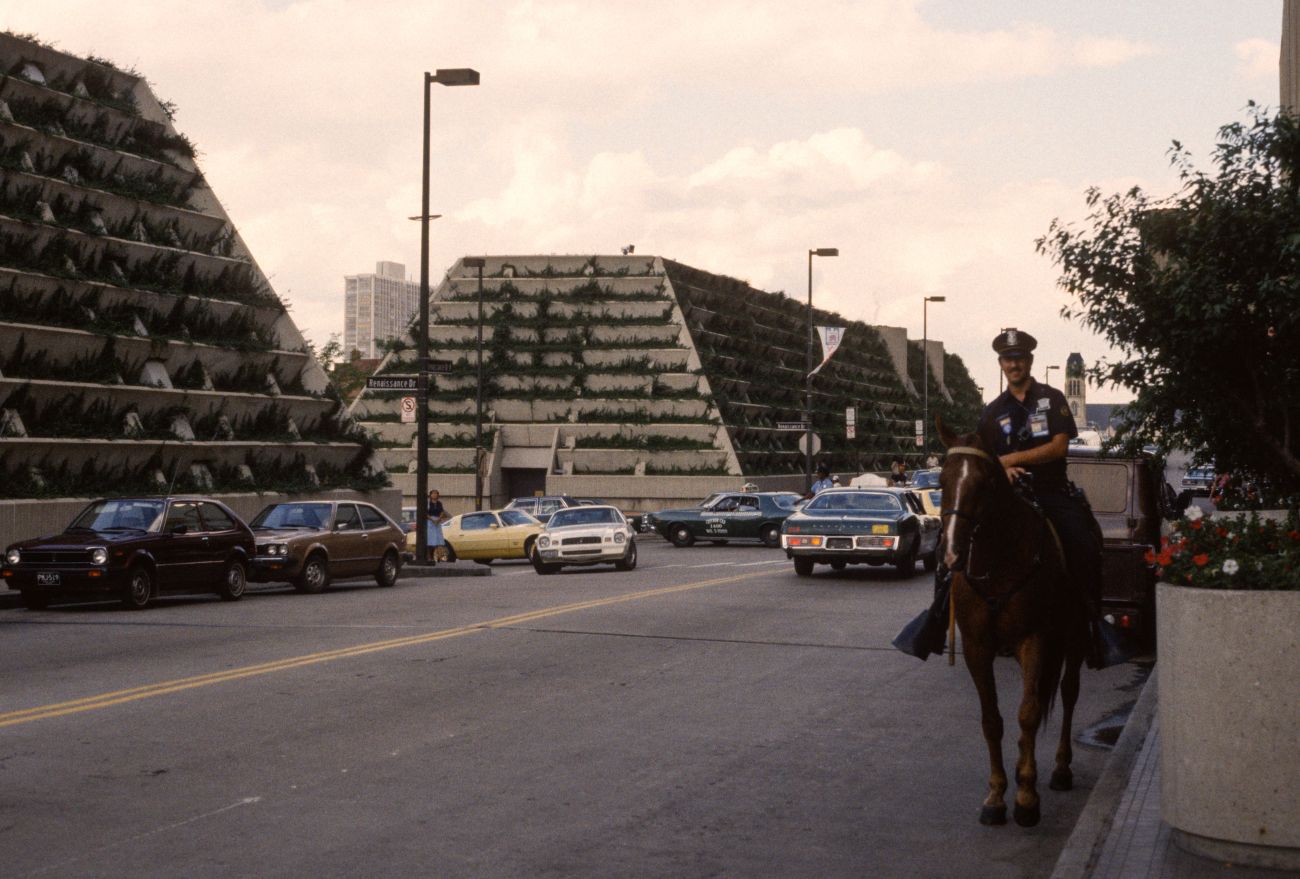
949	438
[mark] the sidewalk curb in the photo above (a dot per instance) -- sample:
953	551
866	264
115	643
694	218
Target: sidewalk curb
1081	850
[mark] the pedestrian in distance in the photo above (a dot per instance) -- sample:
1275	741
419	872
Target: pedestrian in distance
823	479
437	545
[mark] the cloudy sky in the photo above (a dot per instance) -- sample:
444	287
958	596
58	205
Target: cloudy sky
931	141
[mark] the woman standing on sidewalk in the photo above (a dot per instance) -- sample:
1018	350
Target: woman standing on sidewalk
433	528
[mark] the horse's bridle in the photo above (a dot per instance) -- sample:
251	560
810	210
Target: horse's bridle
979	453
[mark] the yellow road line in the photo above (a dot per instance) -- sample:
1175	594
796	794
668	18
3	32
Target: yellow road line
162	688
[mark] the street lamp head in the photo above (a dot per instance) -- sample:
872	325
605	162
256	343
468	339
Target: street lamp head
936	299
454	76
825	251
473	262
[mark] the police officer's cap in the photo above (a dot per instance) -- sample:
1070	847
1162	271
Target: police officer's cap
1012	342
824	469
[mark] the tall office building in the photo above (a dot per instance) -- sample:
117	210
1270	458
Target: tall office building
378	306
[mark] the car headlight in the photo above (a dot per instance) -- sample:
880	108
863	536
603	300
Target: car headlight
543	541
98	556
619	537
275	549
13	557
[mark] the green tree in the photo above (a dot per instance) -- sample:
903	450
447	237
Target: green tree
1200	292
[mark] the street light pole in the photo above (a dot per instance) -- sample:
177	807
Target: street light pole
449	77
925	359
478	263
1047	373
808	368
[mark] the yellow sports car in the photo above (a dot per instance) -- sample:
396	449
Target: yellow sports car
486	536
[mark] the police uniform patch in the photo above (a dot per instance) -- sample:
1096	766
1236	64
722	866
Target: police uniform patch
1065	410
1044	404
1005	423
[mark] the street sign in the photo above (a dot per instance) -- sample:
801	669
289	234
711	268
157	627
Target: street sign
851	431
393	383
432	365
792	425
816	443
408	410
851	415
919	441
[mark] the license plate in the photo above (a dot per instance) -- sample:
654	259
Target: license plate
48	578
839	543
879	529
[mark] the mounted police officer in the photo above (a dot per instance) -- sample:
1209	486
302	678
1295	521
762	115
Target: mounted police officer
1029	428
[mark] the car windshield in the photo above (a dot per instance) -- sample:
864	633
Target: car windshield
585	516
786	501
293	515
925	479
855	501
515	517
120	515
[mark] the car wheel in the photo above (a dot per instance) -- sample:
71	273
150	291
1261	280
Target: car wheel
541	567
233	581
931	561
627	562
315	574
680	535
803	567
451	553
907	564
389	568
770	535
33	600
839	566
138	591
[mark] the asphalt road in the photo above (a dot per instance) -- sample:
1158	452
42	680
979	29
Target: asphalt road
708	714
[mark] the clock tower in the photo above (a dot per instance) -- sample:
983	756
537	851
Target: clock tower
1076	390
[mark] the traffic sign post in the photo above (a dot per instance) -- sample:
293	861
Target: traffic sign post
816	443
920	435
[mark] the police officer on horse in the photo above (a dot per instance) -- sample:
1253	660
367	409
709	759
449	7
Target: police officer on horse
1029	428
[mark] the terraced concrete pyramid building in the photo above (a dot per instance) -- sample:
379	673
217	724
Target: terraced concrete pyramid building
140	344
647	382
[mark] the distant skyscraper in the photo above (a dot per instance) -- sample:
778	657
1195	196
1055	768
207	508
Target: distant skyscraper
378	306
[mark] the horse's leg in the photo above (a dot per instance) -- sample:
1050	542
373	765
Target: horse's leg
979	661
1062	775
1030	654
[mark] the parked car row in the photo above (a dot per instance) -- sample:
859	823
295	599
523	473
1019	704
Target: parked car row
135	549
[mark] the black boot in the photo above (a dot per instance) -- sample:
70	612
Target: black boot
926	633
1104	645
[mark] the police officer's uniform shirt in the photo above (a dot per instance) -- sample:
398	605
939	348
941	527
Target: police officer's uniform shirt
822	485
1011	425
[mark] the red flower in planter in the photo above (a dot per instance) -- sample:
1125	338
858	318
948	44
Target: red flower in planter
1201	559
1195	526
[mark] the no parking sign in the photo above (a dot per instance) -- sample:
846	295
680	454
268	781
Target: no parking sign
408	410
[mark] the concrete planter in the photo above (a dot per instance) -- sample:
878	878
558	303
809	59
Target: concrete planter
1229	712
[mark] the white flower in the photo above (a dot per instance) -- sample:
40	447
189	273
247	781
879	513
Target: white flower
1193	513
1230	567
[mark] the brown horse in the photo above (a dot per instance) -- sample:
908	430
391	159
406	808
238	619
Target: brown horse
1010	595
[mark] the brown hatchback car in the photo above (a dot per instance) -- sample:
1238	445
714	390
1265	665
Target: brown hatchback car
309	543
1129	498
135	549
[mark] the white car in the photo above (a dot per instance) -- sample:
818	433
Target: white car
588	535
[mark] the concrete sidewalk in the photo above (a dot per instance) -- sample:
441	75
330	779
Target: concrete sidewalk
1119	834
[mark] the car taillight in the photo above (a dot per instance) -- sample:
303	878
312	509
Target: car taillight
803	541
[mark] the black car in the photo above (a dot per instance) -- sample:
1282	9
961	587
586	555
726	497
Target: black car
135	549
873	526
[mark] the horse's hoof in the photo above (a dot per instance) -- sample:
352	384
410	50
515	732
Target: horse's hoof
993	816
1026	816
1062	779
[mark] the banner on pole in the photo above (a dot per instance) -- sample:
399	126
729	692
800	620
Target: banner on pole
831	338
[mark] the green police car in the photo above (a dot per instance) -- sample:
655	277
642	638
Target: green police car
727	515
